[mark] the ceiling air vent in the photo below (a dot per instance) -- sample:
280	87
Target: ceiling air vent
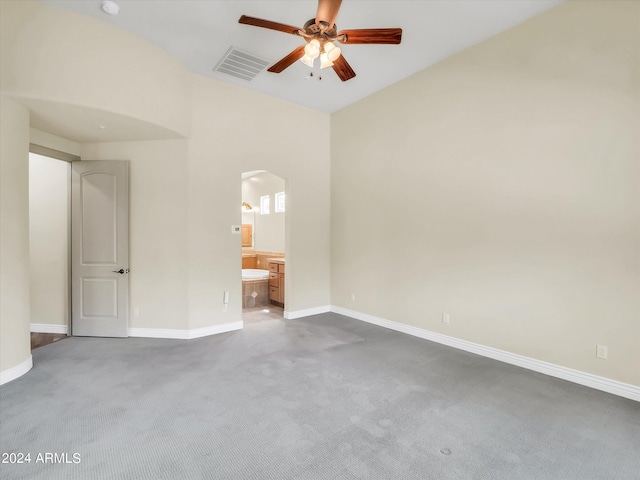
240	64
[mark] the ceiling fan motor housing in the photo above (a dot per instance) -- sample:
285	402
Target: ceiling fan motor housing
321	31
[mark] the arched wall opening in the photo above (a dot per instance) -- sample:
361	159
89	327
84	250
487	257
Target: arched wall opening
263	238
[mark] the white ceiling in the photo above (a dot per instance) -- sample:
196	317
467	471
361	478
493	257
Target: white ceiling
199	32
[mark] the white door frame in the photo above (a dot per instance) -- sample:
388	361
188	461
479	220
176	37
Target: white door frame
69	158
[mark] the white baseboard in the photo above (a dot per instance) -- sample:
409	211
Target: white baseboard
215	329
17	371
184	334
599	383
307	312
48	328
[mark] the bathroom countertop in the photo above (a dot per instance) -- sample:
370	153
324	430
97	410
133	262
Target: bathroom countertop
275	260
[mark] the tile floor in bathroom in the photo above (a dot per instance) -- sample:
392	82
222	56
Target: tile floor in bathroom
261	314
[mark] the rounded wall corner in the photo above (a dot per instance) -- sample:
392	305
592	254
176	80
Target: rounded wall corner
17	371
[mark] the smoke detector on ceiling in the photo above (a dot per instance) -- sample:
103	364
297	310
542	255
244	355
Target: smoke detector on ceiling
110	7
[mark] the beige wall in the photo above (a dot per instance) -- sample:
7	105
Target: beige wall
502	186
158	282
14	234
233	131
268	229
49	239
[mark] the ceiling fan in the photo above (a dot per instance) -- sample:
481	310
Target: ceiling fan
320	33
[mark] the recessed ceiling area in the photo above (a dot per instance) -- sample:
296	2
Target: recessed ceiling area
89	125
199	33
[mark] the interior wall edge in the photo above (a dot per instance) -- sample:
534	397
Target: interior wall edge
306	312
15	348
57	144
17	371
52	153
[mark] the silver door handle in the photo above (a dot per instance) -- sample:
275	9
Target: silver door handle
122	271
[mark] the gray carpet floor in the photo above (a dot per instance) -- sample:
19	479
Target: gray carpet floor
323	397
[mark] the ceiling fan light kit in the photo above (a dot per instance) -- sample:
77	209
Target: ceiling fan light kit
324	61
320	33
307	60
330	53
313	48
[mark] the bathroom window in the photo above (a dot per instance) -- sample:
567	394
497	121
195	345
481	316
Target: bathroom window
279	201
264	205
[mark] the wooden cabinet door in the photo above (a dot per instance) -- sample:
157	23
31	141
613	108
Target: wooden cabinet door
248	262
274	294
247	235
281	287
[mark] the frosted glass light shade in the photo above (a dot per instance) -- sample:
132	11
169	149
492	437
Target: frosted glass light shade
312	49
332	51
307	60
324	61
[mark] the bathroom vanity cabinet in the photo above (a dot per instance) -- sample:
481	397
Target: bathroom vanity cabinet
276	281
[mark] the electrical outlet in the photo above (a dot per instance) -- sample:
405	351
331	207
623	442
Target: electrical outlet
353	297
137	312
445	317
602	351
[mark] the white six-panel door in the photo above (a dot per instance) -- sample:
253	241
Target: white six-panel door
100	248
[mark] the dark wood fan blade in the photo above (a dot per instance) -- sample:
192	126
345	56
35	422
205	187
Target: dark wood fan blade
392	36
328	11
258	22
343	69
288	60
